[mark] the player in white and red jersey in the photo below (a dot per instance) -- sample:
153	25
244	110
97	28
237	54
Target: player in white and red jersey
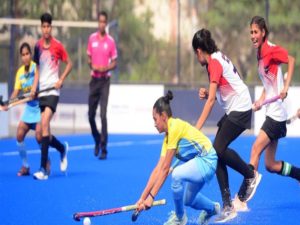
48	53
270	57
225	85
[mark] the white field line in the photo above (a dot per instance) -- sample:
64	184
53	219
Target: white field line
84	147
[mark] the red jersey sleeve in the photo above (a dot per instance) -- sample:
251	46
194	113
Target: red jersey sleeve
279	54
63	53
215	71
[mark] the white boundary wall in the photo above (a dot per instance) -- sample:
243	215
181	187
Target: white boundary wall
129	111
4	131
292	104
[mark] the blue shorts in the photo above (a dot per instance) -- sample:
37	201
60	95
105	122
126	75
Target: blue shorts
31	114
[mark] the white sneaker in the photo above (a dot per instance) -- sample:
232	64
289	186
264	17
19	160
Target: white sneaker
238	205
205	216
173	219
64	159
227	214
40	175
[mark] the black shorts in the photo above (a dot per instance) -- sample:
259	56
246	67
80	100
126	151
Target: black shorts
50	101
31	126
274	129
242	119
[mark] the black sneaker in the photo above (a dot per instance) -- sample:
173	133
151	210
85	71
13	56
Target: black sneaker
248	187
103	155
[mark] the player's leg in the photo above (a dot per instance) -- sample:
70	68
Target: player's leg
103	111
45	141
193	197
282	168
94	96
38	137
228	132
22	130
261	142
62	148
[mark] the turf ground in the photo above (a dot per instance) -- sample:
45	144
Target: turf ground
91	184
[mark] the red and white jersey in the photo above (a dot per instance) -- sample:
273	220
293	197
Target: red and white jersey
270	73
232	93
48	60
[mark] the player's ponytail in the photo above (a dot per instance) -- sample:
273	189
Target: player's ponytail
163	104
202	39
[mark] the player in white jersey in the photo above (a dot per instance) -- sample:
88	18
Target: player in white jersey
270	57
48	53
225	85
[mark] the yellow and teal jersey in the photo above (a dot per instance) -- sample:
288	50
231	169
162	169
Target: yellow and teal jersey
24	82
186	139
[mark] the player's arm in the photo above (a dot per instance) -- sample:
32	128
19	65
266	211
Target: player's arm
290	72
257	104
35	83
211	98
157	180
65	73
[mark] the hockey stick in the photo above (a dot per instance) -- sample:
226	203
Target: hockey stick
21	99
267	101
294	117
77	216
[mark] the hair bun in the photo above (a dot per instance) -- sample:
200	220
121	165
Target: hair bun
168	96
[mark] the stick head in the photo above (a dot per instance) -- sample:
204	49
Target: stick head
76	217
134	215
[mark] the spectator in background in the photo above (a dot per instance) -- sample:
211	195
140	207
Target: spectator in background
102	58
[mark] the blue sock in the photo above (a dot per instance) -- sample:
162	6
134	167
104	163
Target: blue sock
23	153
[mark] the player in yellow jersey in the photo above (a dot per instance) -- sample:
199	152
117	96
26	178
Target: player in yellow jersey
25	82
199	161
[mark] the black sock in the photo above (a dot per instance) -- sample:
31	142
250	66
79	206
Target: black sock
44	148
226	197
289	170
251	167
295	173
57	144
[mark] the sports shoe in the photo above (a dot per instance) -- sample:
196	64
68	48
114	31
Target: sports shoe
24	171
63	158
40	175
103	155
238	205
228	213
173	219
205	216
248	187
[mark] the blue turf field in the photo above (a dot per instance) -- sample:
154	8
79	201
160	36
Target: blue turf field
91	184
